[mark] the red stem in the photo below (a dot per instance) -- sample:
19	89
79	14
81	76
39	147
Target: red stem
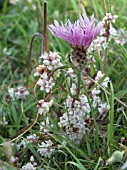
45	27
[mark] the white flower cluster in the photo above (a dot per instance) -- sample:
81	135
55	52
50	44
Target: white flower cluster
78	111
30	139
110	18
107	33
51	62
102	107
74	119
45	83
45	149
18	93
120	39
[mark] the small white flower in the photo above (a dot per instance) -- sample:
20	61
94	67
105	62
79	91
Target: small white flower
31	138
105	81
109	17
45	149
72	73
14	159
96	101
11	92
45	83
43	107
51	60
46	62
73	89
95	92
28	166
49	85
120	41
103	108
45	123
19	93
20	145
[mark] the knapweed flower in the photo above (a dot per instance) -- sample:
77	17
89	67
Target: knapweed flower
79	34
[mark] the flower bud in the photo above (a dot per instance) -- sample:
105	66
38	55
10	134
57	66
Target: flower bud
117	156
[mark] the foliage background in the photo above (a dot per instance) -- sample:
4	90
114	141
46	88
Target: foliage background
17	25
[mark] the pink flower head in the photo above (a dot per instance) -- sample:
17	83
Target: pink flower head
80	33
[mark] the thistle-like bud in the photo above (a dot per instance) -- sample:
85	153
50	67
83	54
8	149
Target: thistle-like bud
117	156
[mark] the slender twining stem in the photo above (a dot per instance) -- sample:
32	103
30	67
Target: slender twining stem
22	132
45	27
30	51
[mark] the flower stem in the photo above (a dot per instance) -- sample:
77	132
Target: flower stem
111	116
45	27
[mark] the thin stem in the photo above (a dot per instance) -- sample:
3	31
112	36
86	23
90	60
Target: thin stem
30	51
45	27
104	6
22	132
37	15
111	116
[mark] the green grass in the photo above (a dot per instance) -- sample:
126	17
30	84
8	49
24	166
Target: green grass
16	30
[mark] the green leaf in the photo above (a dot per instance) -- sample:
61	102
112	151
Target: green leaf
76	164
92	70
33	150
121	93
111	117
14	113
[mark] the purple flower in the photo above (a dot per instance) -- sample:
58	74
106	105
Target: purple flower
80	34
